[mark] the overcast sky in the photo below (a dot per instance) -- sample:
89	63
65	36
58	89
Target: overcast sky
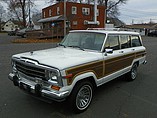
135	11
139	11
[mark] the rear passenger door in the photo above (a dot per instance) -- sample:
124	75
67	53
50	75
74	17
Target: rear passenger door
112	61
126	50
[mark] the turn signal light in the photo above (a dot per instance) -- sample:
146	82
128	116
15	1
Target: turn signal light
55	87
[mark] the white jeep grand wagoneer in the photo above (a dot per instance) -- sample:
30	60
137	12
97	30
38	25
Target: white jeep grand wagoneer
83	60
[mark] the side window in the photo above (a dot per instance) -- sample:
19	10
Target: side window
50	12
74	10
135	41
58	10
124	41
112	42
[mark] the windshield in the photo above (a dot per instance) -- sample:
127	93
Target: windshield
84	40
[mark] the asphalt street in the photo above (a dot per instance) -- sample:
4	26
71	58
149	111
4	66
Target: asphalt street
116	99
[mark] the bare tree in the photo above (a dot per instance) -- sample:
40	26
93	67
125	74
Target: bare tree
20	9
112	6
2	11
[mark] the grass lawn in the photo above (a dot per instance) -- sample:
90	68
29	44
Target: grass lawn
36	40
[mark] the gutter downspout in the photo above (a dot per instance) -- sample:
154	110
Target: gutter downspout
95	22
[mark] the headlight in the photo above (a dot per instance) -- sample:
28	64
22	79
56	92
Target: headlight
14	67
53	76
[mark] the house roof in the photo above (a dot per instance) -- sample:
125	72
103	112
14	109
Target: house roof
36	18
142	26
116	22
55	18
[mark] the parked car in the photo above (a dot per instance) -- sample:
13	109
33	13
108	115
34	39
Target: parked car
22	32
84	60
153	33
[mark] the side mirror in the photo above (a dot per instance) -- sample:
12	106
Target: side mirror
108	51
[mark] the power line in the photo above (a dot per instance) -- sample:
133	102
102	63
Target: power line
137	10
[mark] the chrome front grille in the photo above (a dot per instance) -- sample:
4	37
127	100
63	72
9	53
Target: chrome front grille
30	70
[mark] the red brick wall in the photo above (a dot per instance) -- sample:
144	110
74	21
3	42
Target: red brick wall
79	17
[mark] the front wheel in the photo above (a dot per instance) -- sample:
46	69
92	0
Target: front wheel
81	96
133	73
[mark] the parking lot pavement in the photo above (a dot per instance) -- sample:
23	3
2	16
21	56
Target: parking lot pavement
116	99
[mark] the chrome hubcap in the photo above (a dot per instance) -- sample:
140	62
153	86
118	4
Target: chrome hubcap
134	72
83	97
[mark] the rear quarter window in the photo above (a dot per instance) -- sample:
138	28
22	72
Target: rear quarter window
136	41
125	41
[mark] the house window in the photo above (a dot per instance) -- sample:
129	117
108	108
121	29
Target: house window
74	10
68	24
44	14
85	11
50	12
74	22
58	11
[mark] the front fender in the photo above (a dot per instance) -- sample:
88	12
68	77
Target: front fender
81	77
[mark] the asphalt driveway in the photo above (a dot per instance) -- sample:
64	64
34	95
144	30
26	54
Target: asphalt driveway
116	99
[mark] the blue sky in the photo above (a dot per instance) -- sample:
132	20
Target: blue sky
139	11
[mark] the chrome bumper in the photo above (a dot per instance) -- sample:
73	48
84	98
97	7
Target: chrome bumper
38	90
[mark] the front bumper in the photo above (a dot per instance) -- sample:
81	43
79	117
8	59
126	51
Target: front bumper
37	89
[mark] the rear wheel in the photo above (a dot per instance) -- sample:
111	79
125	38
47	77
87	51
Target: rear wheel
81	96
24	36
133	73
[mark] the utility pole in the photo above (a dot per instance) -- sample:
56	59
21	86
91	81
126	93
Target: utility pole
132	21
29	5
106	11
0	22
64	17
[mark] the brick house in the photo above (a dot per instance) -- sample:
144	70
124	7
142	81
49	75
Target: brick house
78	16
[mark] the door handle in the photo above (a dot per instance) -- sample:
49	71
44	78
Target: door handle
121	52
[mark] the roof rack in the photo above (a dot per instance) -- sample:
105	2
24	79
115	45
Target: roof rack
110	29
107	29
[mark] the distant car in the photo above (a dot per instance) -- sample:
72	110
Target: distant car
12	33
153	33
22	32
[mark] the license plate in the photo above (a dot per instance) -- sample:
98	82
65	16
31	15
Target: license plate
25	87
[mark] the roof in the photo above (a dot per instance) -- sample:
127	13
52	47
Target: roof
107	32
55	18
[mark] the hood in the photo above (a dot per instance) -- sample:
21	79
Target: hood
61	57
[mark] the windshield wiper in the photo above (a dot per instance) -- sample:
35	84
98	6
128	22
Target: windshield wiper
61	45
74	46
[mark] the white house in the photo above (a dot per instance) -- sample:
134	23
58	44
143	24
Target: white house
9	26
